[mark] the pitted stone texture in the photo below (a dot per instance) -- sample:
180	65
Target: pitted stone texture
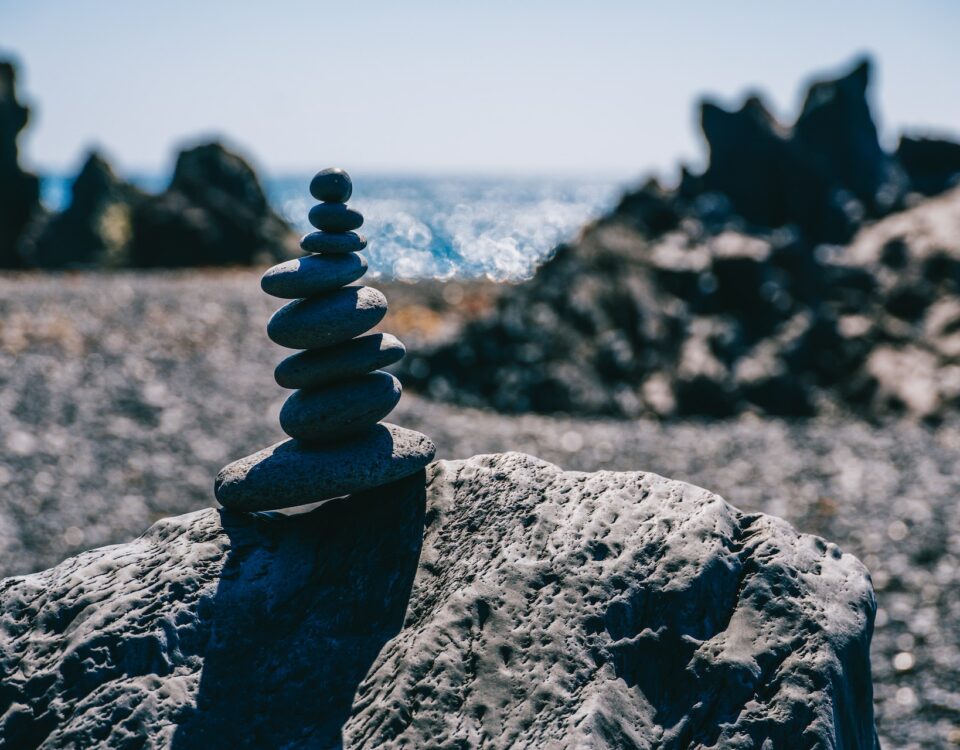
329	242
292	473
334	217
330	319
312	275
330	412
346	360
545	609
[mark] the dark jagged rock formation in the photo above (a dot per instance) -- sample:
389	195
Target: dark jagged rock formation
722	296
510	604
96	228
213	213
338	445
19	190
932	164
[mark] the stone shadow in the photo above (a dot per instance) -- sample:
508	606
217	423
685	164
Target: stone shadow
304	605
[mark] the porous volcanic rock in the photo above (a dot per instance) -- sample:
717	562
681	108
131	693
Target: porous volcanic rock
213	213
19	190
496	602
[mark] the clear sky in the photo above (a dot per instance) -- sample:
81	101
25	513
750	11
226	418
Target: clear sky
523	86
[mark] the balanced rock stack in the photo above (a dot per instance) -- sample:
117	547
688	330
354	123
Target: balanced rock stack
337	444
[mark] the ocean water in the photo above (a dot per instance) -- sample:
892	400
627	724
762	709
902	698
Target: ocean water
442	227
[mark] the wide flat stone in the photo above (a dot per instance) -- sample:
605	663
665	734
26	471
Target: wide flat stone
329	242
312	275
355	357
330	319
335	217
331	184
330	412
292	473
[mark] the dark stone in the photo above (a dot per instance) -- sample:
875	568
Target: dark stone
331	364
96	228
292	473
19	190
323	321
312	275
325	414
328	242
332	185
334	217
931	164
213	213
496	601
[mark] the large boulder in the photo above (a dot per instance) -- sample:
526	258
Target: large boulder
931	164
19	190
96	228
496	602
213	213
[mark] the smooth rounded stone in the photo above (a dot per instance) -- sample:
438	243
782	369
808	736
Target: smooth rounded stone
335	217
332	184
333	411
329	242
355	357
331	319
312	275
292	473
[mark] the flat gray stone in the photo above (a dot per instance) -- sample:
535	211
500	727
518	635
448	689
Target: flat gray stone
355	357
330	319
331	184
331	412
312	275
292	473
330	242
335	217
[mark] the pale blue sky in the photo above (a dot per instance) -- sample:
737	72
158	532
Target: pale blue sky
524	86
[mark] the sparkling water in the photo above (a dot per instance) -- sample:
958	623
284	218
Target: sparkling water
442	227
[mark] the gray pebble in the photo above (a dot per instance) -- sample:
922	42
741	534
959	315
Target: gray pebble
354	357
335	217
330	319
331	184
291	473
312	275
331	412
329	242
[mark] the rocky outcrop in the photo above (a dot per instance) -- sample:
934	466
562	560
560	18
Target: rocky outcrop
932	164
19	190
213	213
96	228
734	292
498	601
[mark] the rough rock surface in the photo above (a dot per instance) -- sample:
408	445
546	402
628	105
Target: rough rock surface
507	604
19	190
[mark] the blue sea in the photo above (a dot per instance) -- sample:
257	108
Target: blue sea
442	227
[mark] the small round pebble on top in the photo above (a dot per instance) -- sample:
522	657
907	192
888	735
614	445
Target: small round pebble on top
332	185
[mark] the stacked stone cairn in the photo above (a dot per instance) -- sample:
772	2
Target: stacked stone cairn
338	445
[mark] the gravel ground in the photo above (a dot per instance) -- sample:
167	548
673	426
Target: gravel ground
121	395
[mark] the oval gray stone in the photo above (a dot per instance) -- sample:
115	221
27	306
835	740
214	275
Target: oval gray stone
331	184
322	321
329	242
312	275
330	412
335	217
355	357
292	473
